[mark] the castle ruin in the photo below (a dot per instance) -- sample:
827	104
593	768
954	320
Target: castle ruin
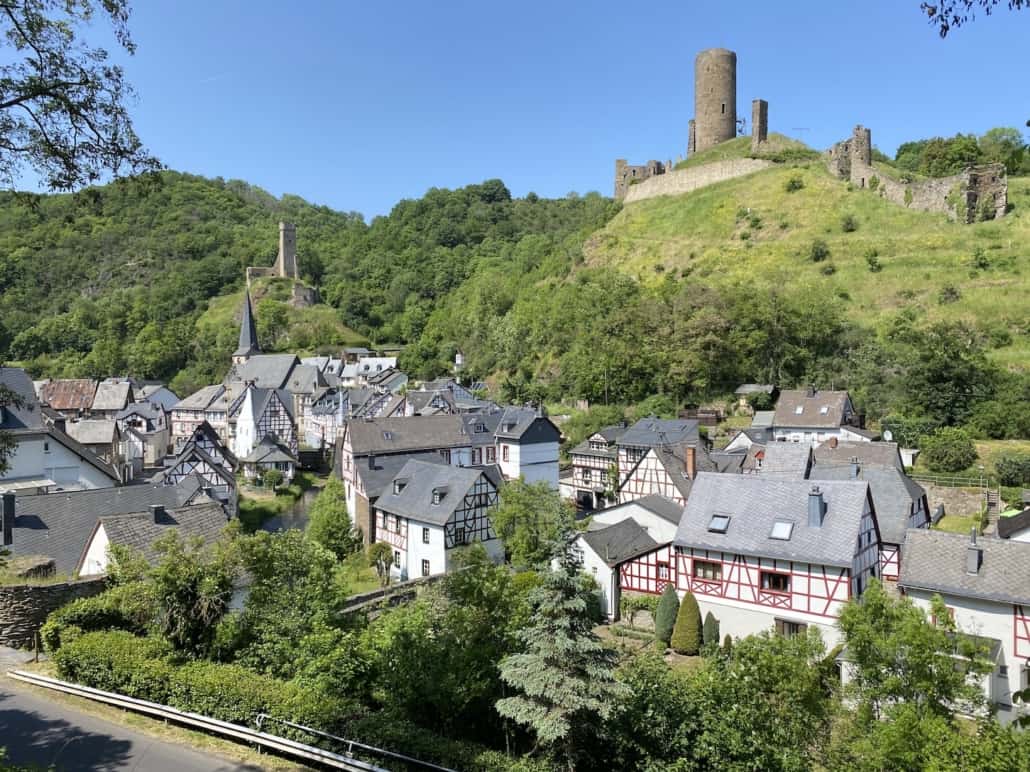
977	193
285	266
715	117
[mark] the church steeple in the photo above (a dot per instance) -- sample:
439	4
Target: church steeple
248	334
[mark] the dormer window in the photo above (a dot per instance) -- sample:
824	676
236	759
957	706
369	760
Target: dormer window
398	486
799	410
480	428
437	496
782	529
387	435
719	523
824	410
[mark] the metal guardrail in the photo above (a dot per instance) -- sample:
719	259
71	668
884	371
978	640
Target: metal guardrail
952	481
273	742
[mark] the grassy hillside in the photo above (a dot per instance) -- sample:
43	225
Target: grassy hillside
741	148
752	231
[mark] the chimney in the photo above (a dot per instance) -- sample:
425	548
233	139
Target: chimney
371	460
833	442
7	516
816	507
691	462
208	491
157	511
854	467
974	554
811	390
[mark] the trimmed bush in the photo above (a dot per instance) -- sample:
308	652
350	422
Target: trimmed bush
117	661
948	450
686	636
794	183
665	616
124	607
727	644
710	632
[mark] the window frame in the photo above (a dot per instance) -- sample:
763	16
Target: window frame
425	535
698	563
425	567
766	586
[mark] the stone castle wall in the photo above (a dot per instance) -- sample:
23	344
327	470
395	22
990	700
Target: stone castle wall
687	180
25	607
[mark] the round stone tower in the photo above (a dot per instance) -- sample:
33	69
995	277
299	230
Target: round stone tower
715	98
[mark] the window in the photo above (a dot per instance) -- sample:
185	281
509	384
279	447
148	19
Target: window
799	410
387	435
446	456
46	446
479	428
588	475
707	569
477	456
663	570
789	629
719	523
824	410
398	486
437	496
782	530
425	536
491	454
504	452
397	558
775	582
425	568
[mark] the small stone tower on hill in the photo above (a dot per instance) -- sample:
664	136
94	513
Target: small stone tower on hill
715	99
286	262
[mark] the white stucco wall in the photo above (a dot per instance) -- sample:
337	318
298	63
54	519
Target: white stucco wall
42	457
603	575
95	562
434	551
739	620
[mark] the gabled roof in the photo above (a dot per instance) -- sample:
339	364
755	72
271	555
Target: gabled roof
763	419
620	541
399	435
58	525
149	411
421	401
29	414
69	393
86	455
894	494
936	561
818	409
652	432
267	371
753	503
661	506
376	477
192	453
421	479
158	393
248	345
93	431
201	399
481	428
140	530
305	379
526	424
885	454
112	395
787	460
754	388
728	463
269	451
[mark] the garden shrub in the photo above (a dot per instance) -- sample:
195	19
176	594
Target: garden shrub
124	607
1013	470
665	616
948	450
710	632
686	636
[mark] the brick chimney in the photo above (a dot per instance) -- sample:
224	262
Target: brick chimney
7	516
691	462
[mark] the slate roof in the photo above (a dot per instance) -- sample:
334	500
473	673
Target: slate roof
267	371
149	411
93	431
191	451
936	561
377	478
29	415
397	435
420	401
661	506
260	398
812	405
753	503
481	428
112	395
728	463
140	530
754	388
152	391
620	541
69	393
611	434
884	454
269	451
201	399
515	422
421	478
58	525
651	432
894	494
763	419
305	379
788	460
248	345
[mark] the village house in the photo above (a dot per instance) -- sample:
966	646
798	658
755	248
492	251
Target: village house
45	457
814	416
985	584
150	421
262	412
594	464
203	406
767	553
629	547
431	509
267	455
203	455
156	393
111	397
100	435
527	446
71	397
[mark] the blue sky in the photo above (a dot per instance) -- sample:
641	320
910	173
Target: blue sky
357	105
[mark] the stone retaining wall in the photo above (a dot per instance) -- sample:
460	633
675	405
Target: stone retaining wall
25	607
686	180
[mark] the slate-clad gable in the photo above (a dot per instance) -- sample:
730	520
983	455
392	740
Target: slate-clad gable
415	499
620	542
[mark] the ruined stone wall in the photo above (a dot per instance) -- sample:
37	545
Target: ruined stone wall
626	175
686	180
759	124
25	607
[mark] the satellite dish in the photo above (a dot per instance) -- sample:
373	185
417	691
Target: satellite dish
888	436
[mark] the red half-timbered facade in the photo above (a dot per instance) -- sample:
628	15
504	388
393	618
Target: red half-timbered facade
649	573
659	472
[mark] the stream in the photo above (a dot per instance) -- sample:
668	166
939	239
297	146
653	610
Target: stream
294	517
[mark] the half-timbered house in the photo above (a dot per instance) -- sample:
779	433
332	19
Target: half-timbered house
263	412
199	407
668	470
595	468
763	553
429	510
150	421
985	583
206	457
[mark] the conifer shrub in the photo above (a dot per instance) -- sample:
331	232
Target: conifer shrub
710	632
727	644
686	636
665	617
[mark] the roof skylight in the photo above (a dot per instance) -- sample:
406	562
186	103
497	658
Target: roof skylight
782	529
719	523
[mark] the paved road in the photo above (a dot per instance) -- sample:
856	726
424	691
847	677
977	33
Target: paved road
44	732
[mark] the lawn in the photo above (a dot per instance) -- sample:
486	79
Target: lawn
360	576
958	523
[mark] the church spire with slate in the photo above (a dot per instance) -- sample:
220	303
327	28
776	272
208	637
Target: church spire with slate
248	334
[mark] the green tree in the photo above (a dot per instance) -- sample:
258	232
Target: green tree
948	450
564	681
1004	145
686	636
665	616
380	557
63	110
710	632
329	524
1014	469
529	518
192	585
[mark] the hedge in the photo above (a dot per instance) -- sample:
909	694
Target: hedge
123	607
665	618
140	667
